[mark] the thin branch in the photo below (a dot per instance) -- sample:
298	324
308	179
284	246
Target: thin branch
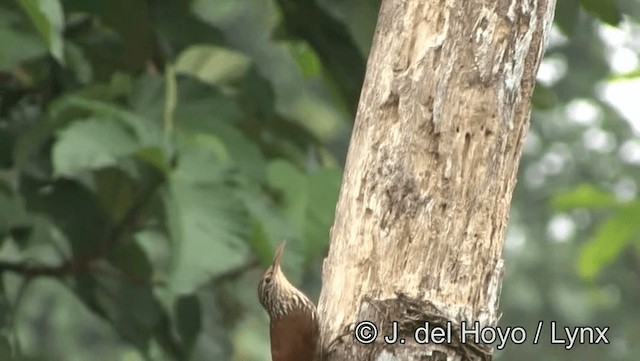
76	265
29	270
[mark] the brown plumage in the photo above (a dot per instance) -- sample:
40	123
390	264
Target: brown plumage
294	324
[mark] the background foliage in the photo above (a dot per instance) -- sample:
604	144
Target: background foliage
153	154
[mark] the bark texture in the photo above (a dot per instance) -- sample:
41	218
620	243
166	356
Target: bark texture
424	204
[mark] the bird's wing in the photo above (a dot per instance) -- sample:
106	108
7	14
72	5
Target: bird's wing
294	337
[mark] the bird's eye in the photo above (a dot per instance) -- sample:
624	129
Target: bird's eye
267	280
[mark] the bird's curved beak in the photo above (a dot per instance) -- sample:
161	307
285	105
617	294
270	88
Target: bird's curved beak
276	258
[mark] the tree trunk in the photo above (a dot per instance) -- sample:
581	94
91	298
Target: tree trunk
424	204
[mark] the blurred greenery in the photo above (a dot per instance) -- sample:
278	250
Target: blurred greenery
154	153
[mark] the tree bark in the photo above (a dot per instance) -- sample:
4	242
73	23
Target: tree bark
422	213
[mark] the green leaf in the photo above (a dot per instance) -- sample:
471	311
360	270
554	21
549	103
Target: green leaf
155	244
214	342
129	22
208	119
208	225
213	65
179	27
203	105
218	10
605	10
130	307
324	187
116	192
18	47
30	142
147	98
201	164
188	318
13	214
308	201
72	207
360	16
334	45
307	59
293	187
43	240
156	157
269	227
91	144
78	63
48	18
583	196
6	352
632	75
147	132
131	259
609	240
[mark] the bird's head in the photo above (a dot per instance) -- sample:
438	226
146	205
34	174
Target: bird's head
273	283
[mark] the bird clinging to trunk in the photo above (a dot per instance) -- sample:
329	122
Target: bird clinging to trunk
294	325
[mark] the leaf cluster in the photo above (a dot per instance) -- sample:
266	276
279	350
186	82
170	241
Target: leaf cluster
148	167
